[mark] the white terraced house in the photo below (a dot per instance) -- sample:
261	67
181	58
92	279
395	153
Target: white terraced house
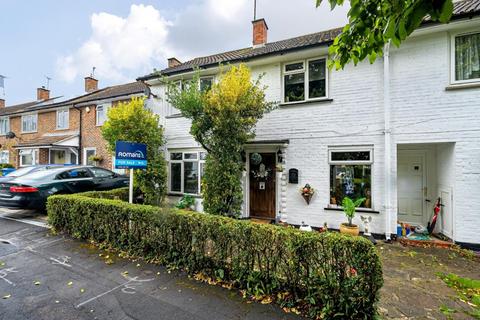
400	132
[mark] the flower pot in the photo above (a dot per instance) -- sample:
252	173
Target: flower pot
351	230
307	197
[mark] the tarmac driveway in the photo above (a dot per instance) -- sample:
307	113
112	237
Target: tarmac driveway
54	277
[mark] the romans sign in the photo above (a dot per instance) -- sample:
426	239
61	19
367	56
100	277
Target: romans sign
129	155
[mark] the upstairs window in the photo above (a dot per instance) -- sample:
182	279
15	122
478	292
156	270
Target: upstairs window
305	80
4	125
63	119
206	83
29	123
467	57
101	113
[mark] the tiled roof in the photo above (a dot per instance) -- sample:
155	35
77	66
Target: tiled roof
105	93
45	141
461	9
112	92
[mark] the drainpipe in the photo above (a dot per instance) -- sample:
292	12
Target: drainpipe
387	132
79	157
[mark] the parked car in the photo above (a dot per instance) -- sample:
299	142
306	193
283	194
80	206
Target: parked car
32	190
26	170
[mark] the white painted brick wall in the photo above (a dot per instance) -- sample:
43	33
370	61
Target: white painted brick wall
422	112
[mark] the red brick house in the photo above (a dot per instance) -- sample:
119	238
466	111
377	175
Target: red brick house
48	132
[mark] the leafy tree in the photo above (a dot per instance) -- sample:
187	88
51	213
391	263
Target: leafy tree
373	23
131	121
223	120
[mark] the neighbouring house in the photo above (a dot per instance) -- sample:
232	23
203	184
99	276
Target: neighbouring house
400	132
67	132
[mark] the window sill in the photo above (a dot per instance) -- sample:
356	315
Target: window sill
461	86
294	104
356	210
173	194
27	132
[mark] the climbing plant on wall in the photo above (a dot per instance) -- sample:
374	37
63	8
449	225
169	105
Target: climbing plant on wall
223	120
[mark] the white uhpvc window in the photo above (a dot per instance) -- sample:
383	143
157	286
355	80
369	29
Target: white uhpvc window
305	80
185	171
466	57
4	125
4	156
101	113
351	174
87	154
63	116
28	157
29	123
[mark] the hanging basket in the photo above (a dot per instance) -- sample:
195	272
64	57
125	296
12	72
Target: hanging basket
307	197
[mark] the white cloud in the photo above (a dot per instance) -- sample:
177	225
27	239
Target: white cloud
122	48
118	46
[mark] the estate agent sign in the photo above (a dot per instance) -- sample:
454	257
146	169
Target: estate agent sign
130	155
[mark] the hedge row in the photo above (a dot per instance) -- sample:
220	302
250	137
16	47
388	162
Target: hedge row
321	274
115	194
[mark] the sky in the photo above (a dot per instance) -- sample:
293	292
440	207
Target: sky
124	39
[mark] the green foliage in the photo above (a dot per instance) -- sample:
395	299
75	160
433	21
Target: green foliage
373	23
186	202
223	120
6	165
131	121
115	194
468	291
323	275
349	207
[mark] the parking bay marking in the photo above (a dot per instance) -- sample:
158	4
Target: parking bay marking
127	287
5	272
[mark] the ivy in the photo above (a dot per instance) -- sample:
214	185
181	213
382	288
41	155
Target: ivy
223	120
321	275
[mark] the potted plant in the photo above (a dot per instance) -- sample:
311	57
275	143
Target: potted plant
186	203
307	193
349	207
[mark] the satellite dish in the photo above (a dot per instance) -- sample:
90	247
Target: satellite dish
10	135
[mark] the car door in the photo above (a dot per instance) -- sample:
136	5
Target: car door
77	180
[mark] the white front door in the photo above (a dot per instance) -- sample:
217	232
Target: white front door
411	187
446	219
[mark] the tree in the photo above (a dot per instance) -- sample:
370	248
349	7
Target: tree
373	23
223	120
131	121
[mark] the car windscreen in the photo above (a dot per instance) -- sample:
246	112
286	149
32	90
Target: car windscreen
21	172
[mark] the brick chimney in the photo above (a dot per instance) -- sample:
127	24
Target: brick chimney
91	84
2	103
173	62
260	30
43	93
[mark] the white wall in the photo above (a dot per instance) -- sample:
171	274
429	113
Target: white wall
422	112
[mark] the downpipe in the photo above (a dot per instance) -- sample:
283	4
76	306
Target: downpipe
387	142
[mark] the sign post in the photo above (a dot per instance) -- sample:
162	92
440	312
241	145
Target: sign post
130	155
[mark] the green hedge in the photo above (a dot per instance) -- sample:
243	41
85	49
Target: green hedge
115	194
321	274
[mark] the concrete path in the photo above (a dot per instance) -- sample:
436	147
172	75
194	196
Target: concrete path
54	277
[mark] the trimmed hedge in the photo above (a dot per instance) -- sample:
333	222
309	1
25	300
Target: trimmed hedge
115	194
326	275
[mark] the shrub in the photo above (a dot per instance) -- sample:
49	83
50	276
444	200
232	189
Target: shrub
321	274
115	194
186	202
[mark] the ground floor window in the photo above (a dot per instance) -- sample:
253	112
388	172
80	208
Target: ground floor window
88	153
186	171
28	157
62	156
350	175
4	156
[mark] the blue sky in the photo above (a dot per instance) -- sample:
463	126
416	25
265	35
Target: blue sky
125	39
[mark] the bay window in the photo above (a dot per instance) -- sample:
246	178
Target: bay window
305	80
186	171
351	175
466	56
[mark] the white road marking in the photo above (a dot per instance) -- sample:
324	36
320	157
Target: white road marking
5	272
27	221
61	261
127	288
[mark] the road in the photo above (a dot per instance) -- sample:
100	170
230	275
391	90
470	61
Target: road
43	276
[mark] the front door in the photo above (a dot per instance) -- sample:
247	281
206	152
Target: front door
262	185
411	187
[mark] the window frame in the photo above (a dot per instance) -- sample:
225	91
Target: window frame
7	152
105	107
35	116
305	71
203	78
7	118
85	150
453	37
67	121
370	162
35	156
198	160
